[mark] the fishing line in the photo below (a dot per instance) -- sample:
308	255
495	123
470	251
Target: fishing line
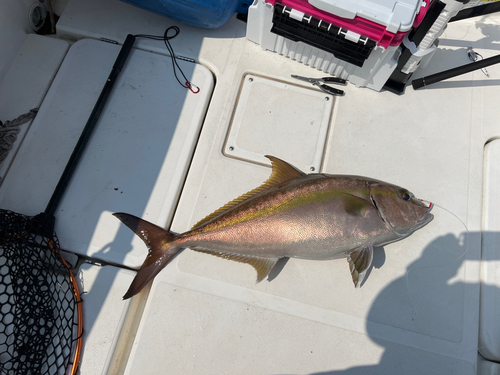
463	224
166	39
436	266
441	207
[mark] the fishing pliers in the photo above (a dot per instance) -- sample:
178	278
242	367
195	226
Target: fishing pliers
319	82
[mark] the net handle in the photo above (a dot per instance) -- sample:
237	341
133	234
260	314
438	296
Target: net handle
89	127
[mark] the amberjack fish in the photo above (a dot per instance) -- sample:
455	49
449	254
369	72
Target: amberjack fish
293	214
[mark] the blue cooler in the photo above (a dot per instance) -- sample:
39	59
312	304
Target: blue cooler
210	14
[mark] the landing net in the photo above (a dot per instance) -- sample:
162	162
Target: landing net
40	306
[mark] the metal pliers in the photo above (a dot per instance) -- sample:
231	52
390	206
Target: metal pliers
319	82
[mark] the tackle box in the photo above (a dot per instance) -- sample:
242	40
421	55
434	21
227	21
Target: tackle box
355	40
372	43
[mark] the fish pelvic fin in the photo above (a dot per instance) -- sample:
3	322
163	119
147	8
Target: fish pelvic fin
360	259
282	172
160	250
262	265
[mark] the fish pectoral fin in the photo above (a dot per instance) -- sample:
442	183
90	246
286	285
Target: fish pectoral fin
360	260
262	265
354	205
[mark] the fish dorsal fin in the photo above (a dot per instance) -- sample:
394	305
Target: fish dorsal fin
360	260
282	172
262	265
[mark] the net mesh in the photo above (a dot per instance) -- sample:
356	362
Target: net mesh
38	305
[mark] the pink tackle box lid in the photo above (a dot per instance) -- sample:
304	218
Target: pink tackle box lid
385	22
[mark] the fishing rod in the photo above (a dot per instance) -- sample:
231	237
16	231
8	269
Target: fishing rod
459	70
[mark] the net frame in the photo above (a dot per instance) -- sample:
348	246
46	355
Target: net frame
41	324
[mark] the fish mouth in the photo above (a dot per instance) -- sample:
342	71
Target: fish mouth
427	217
429	205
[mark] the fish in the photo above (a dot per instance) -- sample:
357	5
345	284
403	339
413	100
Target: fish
313	216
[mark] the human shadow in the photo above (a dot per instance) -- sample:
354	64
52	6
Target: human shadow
430	303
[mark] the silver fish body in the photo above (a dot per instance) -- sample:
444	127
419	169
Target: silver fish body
315	216
304	218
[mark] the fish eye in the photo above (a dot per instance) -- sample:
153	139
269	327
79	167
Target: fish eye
405	194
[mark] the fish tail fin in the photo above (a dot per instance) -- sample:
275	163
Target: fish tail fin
160	247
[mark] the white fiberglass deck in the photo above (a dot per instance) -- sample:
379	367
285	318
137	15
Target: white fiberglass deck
419	309
137	159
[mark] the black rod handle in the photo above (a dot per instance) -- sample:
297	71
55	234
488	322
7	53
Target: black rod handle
89	127
429	80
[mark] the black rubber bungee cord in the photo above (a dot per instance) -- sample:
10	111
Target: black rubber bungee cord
166	39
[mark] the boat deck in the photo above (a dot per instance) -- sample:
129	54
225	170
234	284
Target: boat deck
172	157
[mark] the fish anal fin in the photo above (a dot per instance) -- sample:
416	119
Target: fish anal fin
262	265
360	260
354	205
282	172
